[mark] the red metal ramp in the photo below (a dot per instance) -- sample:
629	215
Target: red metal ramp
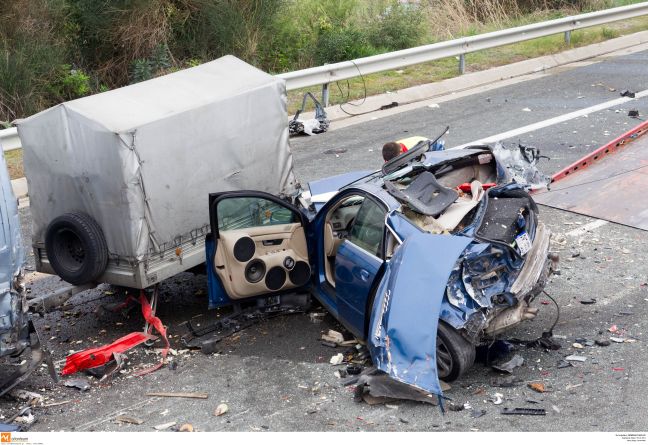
611	183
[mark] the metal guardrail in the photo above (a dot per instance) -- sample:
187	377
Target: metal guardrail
9	139
324	75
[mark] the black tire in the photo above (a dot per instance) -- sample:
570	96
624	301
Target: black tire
455	354
76	248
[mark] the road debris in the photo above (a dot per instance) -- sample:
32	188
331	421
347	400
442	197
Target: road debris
316	317
333	337
563	364
627	93
633	113
164	426
337	359
183	395
31	398
477	413
497	398
537	387
80	384
353	369
508	367
186	428
128	419
524	411
617	339
575	358
589	301
375	387
221	409
506	382
602	342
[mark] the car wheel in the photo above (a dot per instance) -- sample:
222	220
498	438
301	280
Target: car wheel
76	248
455	355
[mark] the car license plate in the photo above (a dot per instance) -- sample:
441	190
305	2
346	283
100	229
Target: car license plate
523	243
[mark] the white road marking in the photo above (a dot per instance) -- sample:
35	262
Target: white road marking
554	120
589	227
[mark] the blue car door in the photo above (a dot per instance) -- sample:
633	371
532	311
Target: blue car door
357	264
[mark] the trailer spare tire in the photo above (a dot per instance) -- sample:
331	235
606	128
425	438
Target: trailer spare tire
76	248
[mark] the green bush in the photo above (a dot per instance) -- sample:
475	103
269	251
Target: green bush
339	44
398	27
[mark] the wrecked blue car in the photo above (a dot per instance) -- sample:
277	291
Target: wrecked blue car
18	337
437	252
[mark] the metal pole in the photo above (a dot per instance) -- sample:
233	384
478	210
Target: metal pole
462	63
568	37
325	95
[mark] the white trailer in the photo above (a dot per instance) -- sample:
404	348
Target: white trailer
119	181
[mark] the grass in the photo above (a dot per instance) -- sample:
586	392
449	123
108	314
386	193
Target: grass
446	68
14	160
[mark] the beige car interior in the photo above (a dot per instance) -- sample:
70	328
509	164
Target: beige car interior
338	223
274	245
477	174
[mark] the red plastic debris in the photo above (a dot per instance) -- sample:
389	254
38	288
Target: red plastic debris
91	358
613	328
94	357
154	322
618	369
465	187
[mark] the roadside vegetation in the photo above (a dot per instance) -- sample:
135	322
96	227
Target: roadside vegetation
57	50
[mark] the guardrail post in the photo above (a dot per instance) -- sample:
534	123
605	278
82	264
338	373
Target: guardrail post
462	63
568	37
325	95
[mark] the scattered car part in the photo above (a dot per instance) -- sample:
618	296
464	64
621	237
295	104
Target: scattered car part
76	248
310	126
95	357
524	411
379	385
221	409
509	366
537	386
80	384
628	93
575	358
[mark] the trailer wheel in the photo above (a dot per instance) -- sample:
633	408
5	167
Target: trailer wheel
76	248
455	355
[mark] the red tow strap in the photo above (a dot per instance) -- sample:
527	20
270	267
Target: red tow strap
92	358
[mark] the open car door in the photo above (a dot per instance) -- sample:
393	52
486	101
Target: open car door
260	244
402	335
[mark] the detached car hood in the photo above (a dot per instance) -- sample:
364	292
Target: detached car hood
405	313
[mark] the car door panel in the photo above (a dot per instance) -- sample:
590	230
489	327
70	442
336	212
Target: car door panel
260	244
357	264
355	270
272	247
405	313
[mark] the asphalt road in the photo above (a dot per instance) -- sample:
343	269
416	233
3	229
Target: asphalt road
276	376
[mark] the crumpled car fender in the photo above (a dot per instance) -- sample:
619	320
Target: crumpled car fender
405	314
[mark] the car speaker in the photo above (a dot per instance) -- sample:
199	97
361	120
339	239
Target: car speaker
300	274
255	271
289	262
244	249
275	278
